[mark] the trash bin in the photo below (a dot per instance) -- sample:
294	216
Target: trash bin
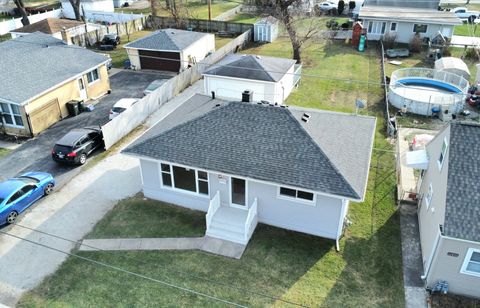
72	107
81	106
127	64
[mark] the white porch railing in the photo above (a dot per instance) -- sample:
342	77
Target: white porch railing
251	220
213	208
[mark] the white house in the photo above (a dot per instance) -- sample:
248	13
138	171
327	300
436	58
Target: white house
170	49
270	79
266	29
405	22
87	5
449	211
244	163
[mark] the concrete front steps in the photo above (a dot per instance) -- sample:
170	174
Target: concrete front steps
228	223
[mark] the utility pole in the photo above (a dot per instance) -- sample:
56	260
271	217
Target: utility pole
209	10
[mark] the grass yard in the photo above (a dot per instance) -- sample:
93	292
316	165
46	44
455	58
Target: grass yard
245	18
467	30
221	41
3	152
289	265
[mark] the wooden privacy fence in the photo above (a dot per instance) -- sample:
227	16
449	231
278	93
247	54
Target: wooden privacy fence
125	122
203	25
90	38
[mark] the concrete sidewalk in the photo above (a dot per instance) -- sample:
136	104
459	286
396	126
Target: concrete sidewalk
206	243
462	41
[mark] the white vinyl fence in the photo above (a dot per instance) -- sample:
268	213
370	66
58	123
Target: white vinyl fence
111	17
125	122
15	23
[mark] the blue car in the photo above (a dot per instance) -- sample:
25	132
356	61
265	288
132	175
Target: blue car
17	194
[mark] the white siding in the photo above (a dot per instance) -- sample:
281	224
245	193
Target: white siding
321	217
231	88
284	87
134	58
199	49
101	6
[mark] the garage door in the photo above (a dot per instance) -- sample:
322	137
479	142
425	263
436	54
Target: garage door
45	116
160	60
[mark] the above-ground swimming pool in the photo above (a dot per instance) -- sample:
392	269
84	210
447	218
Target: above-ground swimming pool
421	89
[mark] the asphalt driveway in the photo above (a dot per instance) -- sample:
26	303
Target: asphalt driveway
34	155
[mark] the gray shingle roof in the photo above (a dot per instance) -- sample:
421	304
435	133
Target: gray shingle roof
462	211
264	143
408	14
36	62
252	67
167	39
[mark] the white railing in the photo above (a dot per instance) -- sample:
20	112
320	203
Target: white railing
428	73
251	220
298	74
213	208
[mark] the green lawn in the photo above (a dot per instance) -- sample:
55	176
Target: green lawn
245	18
3	152
467	30
293	266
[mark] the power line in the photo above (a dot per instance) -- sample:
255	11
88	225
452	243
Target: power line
116	268
169	269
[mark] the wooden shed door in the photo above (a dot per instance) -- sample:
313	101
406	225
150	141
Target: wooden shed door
45	116
159	60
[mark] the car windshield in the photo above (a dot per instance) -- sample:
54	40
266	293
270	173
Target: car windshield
28	180
118	109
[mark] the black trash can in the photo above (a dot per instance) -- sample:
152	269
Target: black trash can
72	107
81	106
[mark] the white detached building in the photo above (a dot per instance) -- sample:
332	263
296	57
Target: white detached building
244	163
270	79
87	5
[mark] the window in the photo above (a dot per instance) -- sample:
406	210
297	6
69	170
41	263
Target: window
417	28
428	197
166	175
15	196
92	75
471	265
202	182
185	179
11	114
28	188
298	194
393	26
377	27
442	154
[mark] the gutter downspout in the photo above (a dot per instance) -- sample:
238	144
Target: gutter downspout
340	224
432	255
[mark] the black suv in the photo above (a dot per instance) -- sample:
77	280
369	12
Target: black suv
77	144
111	39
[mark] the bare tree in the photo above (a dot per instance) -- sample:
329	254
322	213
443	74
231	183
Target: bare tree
153	7
178	10
76	9
289	14
21	8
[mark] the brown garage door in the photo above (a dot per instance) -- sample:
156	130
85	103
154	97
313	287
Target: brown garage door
43	117
160	60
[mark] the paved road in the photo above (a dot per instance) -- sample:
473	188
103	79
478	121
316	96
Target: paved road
35	153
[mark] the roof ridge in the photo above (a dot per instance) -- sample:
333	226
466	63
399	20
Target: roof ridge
334	167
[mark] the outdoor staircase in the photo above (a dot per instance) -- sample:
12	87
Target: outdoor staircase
230	223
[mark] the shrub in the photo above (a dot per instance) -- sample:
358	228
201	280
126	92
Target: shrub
472	54
389	40
415	43
341	7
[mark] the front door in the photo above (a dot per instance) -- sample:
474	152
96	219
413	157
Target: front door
81	88
238	192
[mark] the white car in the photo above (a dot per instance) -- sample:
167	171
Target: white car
464	13
121	106
327	6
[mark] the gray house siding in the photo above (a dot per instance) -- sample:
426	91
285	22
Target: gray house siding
425	4
447	266
323	217
430	219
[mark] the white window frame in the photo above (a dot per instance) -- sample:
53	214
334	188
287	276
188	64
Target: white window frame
428	196
296	199
12	115
375	27
184	191
467	261
91	74
443	153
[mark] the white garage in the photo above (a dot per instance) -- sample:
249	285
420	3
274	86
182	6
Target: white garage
268	78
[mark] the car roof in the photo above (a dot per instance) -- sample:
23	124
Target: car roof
126	102
72	136
9	186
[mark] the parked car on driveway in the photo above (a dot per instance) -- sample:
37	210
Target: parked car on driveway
111	39
153	86
327	6
464	13
121	106
77	144
17	194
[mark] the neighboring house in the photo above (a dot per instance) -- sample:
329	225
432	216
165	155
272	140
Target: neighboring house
423	4
292	168
87	5
449	209
53	26
266	29
39	75
170	50
270	79
403	21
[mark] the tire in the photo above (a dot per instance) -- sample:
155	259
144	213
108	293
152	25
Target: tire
48	189
82	159
12	217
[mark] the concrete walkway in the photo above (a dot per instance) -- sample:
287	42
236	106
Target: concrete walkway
9	145
462	41
206	243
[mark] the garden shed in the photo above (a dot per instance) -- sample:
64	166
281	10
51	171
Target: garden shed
266	29
453	65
